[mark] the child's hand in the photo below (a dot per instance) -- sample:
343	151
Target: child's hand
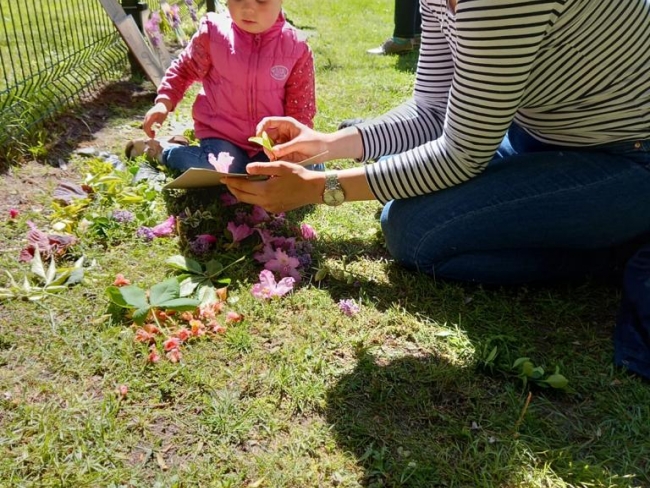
155	116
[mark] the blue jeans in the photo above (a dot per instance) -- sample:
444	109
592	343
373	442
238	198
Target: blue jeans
181	158
538	212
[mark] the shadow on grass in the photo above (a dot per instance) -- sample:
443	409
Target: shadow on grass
59	136
419	421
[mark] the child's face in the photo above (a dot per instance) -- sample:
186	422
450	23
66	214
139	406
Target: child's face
254	16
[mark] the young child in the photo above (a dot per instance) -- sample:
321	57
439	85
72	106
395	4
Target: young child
252	64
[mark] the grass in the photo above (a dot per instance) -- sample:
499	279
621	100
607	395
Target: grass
299	394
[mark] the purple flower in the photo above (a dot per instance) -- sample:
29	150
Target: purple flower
193	13
145	233
123	216
268	288
202	243
228	199
308	232
152	28
349	307
259	215
285	265
239	232
175	17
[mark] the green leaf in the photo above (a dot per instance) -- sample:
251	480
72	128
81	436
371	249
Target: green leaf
134	297
164	291
264	141
213	268
116	297
51	272
492	355
140	315
557	381
184	264
519	362
207	294
181	304
37	265
189	284
76	276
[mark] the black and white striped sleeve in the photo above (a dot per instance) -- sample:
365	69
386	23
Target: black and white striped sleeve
471	76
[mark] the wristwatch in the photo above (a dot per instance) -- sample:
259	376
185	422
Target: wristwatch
333	194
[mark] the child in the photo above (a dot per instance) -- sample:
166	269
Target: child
252	64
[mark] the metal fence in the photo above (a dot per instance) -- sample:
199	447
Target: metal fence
51	54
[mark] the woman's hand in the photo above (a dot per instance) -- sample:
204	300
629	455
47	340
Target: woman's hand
293	141
155	116
289	186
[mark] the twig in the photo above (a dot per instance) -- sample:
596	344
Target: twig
523	413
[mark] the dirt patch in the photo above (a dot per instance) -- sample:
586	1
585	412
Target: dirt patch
95	122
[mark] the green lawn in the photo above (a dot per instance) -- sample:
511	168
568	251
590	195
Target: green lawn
409	391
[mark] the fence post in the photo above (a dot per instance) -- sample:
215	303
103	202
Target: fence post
136	9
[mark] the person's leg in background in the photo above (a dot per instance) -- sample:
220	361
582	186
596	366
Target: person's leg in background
406	32
530	216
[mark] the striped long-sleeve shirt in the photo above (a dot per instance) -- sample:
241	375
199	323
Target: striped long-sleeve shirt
570	72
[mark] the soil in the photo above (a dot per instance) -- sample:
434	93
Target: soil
92	123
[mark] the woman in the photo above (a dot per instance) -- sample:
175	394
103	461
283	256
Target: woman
523	156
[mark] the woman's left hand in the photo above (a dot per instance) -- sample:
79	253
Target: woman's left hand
289	186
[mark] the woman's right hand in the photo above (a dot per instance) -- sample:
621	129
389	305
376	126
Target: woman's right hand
292	140
155	116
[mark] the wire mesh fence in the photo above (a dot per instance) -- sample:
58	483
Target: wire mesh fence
52	53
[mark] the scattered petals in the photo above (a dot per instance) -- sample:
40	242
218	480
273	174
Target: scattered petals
120	280
233	317
349	307
174	355
172	343
166	228
122	391
13	213
154	357
239	232
268	288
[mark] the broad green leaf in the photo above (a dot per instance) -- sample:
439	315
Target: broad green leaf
135	297
180	304
140	315
164	291
188	285
207	294
213	268
184	264
115	296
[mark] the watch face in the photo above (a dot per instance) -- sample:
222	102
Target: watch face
334	197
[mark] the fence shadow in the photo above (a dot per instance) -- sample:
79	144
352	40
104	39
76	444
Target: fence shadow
60	135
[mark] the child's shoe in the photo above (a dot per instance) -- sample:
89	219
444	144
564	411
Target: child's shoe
151	149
